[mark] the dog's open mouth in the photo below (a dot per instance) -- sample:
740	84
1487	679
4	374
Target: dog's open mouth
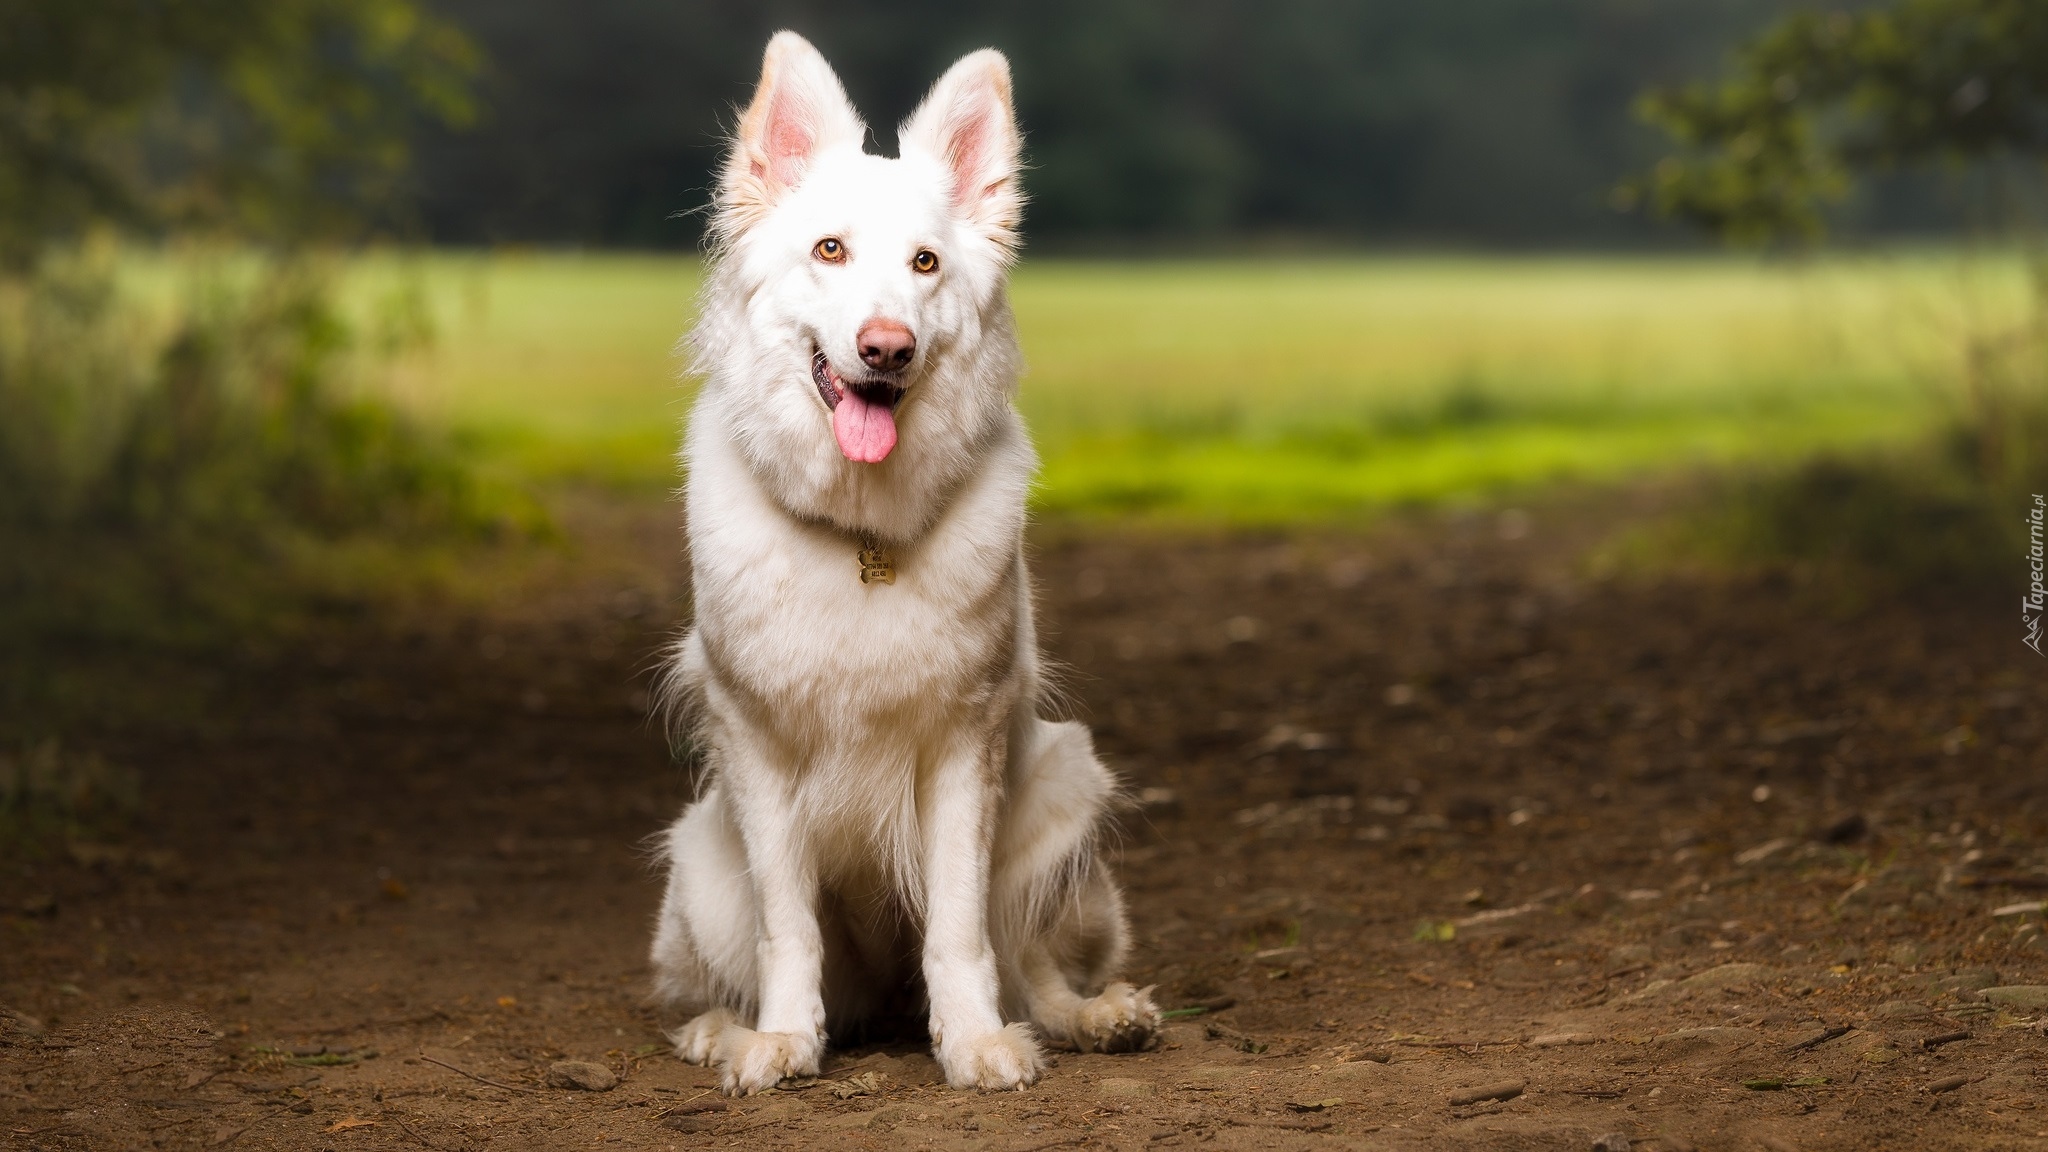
863	412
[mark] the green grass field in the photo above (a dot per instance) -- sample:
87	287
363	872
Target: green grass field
1277	390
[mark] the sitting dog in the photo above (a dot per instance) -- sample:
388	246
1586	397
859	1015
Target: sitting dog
862	677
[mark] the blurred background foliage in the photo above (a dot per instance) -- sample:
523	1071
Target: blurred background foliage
1816	103
275	331
1824	98
194	460
197	457
1469	123
273	119
220	429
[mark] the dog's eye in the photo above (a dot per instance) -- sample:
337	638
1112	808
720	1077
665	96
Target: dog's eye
830	250
926	261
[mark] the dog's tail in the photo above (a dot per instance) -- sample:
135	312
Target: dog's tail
678	701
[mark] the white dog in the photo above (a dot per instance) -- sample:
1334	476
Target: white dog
863	671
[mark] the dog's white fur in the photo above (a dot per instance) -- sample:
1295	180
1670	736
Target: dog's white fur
880	785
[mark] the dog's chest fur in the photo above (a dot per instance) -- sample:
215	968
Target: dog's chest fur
861	677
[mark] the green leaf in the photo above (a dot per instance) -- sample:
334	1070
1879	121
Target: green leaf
1435	931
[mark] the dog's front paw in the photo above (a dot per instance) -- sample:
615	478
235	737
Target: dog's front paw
1121	1019
749	1061
696	1040
995	1061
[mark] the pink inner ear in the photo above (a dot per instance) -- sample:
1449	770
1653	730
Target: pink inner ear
968	147
788	139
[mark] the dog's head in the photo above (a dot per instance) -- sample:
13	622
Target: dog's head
858	293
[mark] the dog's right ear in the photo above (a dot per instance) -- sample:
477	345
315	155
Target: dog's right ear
799	109
969	124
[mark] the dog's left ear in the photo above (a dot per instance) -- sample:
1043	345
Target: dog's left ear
799	110
968	124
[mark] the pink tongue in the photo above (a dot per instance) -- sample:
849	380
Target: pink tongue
866	432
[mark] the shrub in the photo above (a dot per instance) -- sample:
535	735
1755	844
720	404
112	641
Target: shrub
1945	515
175	477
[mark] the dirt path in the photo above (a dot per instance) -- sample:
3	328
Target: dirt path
1426	811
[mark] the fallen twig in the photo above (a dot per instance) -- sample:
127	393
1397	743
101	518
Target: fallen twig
685	1107
475	1077
1486	1093
1817	1041
2024	882
1283	1125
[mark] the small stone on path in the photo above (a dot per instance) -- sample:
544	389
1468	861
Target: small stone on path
582	1075
1846	830
2018	995
1563	1039
1505	1090
1654	990
1968	980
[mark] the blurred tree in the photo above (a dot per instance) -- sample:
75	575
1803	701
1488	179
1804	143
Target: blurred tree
1822	97
1817	102
278	118
1462	121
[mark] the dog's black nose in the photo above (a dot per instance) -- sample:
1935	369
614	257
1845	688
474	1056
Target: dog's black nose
885	345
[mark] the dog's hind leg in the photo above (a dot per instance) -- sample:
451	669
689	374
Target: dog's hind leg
1076	953
1059	918
704	953
697	1041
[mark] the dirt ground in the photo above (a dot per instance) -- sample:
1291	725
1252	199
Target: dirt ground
1427	813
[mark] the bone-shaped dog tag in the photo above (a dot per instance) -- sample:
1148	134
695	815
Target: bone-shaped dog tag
876	567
